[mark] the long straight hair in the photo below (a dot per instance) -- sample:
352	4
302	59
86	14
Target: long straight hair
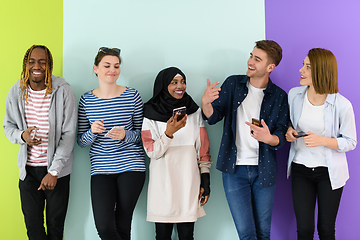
324	72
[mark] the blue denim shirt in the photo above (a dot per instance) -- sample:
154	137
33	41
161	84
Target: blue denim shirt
339	124
274	110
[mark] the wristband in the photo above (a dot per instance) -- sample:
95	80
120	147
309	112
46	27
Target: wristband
205	183
54	173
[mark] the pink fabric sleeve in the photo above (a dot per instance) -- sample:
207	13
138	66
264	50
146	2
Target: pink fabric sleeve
147	140
204	149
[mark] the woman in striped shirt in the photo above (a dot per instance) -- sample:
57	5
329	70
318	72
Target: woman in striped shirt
110	119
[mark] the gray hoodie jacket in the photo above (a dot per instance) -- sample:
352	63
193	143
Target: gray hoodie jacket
62	126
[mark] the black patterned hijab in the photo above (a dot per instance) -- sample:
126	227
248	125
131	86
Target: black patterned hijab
160	106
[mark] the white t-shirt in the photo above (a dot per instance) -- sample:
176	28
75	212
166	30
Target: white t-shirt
247	146
311	119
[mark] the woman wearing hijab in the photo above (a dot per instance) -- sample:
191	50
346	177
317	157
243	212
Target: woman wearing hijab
179	153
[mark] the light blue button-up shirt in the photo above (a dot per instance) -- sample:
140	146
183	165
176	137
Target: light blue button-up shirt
339	124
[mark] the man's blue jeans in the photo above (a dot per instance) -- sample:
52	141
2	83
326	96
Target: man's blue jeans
250	205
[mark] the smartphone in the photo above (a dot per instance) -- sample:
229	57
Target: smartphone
179	113
256	122
300	134
114	128
34	134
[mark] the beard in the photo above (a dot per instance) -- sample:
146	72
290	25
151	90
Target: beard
37	80
256	73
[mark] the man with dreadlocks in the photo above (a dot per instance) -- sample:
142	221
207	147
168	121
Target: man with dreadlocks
41	116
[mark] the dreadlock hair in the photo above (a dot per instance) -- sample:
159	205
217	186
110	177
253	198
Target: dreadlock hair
24	80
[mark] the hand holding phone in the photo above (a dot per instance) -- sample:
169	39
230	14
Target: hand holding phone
179	113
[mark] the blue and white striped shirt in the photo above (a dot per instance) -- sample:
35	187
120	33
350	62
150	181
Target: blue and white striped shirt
110	156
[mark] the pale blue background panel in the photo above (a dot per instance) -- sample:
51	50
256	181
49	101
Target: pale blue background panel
204	38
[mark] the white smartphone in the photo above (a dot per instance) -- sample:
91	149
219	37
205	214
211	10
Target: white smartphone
34	134
114	128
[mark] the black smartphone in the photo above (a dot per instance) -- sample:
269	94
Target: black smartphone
256	122
301	134
179	113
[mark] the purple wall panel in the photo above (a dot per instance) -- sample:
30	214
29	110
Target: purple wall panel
299	26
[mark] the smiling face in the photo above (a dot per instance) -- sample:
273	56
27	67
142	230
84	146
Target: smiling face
305	71
37	68
258	64
108	69
177	87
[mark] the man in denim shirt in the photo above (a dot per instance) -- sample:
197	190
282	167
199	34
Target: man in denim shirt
247	155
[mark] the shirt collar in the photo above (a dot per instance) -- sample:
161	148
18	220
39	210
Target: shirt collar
269	88
330	99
